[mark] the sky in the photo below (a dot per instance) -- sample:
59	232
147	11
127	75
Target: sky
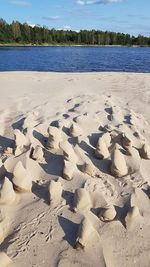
128	16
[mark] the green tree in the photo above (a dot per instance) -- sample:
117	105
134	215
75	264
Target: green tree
16	31
24	33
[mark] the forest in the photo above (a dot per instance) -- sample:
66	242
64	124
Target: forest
23	34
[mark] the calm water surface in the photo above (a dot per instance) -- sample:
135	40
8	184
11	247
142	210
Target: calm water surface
75	59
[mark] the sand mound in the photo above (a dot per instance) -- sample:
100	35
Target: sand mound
126	141
82	200
102	151
107	138
86	234
141	200
88	168
108	214
38	154
20	141
69	169
34	167
133	160
22	180
75	130
118	166
7	193
55	193
68	151
131	215
145	151
54	137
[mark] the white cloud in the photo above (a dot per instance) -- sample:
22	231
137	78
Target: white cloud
51	17
66	28
80	2
90	2
20	3
30	24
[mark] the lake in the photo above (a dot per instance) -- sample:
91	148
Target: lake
75	59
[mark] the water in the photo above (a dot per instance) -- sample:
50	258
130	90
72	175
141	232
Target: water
75	59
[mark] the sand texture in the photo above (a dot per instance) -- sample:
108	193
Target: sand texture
74	170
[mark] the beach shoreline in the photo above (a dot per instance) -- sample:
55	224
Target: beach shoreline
67	45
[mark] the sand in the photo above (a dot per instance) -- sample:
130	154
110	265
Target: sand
74	169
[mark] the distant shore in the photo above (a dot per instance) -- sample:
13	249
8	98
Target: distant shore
64	45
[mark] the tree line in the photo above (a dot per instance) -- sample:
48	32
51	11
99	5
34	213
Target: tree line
22	33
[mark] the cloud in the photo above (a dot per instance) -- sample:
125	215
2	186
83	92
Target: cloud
20	3
91	2
51	18
66	28
31	24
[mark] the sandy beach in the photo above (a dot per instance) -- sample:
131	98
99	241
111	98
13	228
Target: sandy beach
74	169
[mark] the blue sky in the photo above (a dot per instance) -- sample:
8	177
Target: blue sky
129	16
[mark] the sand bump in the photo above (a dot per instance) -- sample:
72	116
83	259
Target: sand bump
86	234
107	138
38	153
69	169
108	214
88	168
126	141
68	151
22	180
131	215
55	192
7	193
20	141
145	151
102	151
54	137
75	130
119	166
82	200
